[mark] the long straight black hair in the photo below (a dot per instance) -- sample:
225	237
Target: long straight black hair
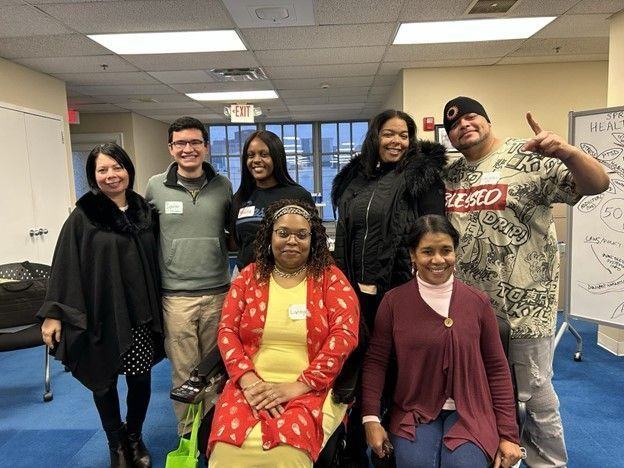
278	156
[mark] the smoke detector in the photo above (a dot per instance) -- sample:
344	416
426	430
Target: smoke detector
272	14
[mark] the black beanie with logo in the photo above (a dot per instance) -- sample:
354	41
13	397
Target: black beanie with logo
459	106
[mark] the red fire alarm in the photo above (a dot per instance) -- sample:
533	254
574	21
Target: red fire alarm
428	123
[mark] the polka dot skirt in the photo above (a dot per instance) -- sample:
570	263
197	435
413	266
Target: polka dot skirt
139	358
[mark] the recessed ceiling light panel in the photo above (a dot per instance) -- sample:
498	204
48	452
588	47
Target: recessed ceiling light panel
228	96
498	29
170	42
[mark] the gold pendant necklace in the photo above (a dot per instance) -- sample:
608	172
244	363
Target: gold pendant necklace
283	274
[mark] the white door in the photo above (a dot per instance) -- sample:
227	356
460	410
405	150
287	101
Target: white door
49	177
16	208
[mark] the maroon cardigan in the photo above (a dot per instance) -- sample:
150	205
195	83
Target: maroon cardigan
435	362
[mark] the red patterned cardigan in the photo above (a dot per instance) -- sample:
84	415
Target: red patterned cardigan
332	333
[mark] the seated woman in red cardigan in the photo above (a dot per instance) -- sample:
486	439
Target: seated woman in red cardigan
288	323
453	404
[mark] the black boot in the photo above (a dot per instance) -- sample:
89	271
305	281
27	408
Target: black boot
118	448
138	451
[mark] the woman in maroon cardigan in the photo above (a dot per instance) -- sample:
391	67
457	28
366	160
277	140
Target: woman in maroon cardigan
453	403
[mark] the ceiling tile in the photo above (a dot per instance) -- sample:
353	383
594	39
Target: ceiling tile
357	11
319	36
57	45
138	98
542	7
338	55
582	25
141	16
136	90
203	116
513	60
222	86
98	108
325	107
133	78
354	91
385	80
380	90
402	53
183	76
566	46
316	82
603	6
327	100
433	10
25	21
390	68
84	64
201	61
321	71
162	107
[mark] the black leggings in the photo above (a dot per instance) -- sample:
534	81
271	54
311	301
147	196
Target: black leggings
139	393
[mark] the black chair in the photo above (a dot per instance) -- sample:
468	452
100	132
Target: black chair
210	377
20	300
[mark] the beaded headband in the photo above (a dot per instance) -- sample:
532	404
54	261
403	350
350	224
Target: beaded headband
292	209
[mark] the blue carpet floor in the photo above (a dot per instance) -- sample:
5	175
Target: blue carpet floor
66	432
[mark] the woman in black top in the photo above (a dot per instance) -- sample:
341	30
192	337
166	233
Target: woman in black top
264	179
379	195
101	316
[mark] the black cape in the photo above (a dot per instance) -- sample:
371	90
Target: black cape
104	281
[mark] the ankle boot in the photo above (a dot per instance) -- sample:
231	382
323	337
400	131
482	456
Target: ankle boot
138	451
118	448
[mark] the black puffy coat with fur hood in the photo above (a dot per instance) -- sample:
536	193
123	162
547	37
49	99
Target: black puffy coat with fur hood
409	190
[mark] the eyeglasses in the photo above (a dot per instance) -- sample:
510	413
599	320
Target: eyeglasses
181	144
285	234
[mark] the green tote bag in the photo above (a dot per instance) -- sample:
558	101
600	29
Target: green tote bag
186	455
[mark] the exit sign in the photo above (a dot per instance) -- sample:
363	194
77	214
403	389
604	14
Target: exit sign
242	113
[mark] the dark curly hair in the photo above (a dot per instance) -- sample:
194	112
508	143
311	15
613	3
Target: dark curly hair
318	260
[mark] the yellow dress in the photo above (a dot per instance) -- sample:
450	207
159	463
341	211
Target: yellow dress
282	356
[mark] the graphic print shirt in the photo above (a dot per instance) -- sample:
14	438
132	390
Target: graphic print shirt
508	246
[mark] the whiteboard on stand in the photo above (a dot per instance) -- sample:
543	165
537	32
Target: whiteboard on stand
596	223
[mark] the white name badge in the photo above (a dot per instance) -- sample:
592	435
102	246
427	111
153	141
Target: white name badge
489	178
246	212
174	207
297	311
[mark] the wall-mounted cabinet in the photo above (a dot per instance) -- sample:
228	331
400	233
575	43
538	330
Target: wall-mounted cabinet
34	184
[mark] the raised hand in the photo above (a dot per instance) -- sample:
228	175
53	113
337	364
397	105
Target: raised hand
546	143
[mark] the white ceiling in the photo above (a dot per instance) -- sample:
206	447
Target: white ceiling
345	44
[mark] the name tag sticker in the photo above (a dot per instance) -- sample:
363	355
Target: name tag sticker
246	212
489	178
297	311
174	207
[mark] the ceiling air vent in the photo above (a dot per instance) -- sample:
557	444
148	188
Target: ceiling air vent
491	7
238	74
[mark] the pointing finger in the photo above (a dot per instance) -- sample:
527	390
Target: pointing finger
533	124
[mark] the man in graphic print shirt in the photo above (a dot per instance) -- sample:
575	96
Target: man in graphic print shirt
498	196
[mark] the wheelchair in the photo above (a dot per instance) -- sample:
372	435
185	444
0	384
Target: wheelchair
210	376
